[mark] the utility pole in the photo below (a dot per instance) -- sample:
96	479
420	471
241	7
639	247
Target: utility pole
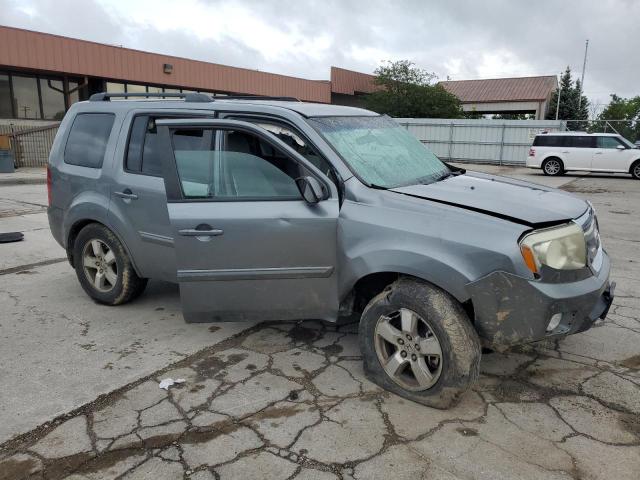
584	65
558	102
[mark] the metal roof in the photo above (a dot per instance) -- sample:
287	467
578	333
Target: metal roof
502	89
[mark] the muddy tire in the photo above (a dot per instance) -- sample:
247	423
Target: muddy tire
104	268
417	342
553	166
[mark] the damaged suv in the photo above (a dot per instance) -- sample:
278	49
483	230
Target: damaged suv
274	209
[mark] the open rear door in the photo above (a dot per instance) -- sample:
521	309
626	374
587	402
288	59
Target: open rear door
248	246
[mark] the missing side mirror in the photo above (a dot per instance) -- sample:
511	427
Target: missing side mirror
310	189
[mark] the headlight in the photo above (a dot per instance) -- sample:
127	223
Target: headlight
562	248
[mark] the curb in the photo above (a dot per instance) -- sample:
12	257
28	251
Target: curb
22	181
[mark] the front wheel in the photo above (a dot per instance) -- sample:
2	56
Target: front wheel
418	342
104	268
553	166
635	170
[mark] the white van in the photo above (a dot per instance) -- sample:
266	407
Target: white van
556	153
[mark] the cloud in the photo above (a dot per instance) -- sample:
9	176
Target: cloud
462	39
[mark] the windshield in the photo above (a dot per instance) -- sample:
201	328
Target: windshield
381	152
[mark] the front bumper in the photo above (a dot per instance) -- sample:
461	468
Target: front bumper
510	310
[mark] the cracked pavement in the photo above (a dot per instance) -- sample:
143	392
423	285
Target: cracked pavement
289	400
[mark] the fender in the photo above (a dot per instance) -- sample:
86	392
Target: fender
435	271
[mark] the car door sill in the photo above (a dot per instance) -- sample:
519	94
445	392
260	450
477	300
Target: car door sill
254	274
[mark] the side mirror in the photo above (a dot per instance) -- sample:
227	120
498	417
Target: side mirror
621	147
310	189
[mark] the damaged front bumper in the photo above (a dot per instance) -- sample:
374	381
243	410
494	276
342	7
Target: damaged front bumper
510	310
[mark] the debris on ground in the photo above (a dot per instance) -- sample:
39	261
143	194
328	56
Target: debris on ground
168	382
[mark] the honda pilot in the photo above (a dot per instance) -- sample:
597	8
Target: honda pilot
274	209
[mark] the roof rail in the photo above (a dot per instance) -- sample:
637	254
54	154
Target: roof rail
188	97
256	97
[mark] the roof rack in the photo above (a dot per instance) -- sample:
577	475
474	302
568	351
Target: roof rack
188	97
256	97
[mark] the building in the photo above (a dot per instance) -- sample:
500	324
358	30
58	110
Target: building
505	95
42	74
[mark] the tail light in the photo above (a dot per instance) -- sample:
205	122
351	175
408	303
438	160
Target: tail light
49	184
532	152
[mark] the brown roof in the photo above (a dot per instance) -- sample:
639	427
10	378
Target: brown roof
502	89
42	51
349	82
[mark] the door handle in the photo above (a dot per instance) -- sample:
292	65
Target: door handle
192	232
127	194
598	153
565	152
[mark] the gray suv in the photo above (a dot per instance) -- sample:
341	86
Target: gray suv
274	209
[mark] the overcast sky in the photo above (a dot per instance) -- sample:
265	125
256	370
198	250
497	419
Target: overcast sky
460	39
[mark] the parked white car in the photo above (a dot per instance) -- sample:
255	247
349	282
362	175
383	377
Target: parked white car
559	152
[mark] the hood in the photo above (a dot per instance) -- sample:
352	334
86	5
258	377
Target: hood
514	200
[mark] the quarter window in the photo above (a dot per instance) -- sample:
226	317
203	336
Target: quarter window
87	142
245	167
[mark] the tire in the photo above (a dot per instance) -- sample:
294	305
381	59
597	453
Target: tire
553	167
97	249
436	314
635	170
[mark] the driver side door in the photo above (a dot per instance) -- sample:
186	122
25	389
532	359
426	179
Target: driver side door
248	246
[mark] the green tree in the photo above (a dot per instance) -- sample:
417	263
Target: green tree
573	104
626	109
407	91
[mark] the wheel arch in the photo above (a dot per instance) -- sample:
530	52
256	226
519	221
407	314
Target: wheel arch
79	224
633	164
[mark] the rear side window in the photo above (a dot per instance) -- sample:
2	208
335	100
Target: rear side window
581	141
143	152
87	142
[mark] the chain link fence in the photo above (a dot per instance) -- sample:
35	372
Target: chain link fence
30	144
629	129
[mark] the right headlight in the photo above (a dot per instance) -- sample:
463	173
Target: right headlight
561	248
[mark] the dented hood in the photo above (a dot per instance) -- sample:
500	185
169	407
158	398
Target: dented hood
514	200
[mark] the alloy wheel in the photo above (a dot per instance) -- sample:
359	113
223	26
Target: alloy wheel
99	264
408	350
552	167
636	170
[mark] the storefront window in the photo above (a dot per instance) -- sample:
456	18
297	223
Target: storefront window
74	92
25	92
52	92
131	88
5	97
114	87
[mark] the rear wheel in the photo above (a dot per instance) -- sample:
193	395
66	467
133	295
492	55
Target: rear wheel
104	268
553	166
417	342
635	170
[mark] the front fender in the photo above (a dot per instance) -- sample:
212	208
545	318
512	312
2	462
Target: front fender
415	264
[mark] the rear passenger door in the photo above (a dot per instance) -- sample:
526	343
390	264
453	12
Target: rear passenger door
578	151
248	247
138	199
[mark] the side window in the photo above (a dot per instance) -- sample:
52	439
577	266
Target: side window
142	151
548	141
87	142
245	167
299	144
581	141
608	142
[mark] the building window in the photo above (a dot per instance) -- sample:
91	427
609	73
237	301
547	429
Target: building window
114	87
25	97
52	92
131	88
5	97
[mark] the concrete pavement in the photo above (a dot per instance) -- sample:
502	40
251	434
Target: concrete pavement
288	400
